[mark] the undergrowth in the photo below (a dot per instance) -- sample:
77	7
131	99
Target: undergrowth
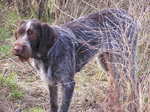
34	109
13	91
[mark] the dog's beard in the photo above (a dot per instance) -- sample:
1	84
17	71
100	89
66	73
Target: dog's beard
25	56
23	59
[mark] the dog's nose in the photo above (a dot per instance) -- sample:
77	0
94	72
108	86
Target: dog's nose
17	50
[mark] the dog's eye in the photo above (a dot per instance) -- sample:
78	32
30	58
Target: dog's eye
29	32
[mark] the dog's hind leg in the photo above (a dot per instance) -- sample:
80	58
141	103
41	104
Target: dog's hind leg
112	101
121	85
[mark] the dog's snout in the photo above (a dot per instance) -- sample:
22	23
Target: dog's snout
17	50
22	49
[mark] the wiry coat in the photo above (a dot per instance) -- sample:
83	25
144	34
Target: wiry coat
58	52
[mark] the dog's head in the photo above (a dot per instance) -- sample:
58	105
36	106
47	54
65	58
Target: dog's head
33	39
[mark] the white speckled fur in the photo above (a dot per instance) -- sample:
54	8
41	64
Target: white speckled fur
45	76
28	25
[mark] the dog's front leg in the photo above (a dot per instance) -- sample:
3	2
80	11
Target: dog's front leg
67	92
53	97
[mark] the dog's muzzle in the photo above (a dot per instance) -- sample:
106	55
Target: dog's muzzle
22	50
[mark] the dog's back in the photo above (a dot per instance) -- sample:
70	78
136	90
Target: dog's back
112	31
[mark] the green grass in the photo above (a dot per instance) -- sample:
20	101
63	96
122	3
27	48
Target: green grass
7	27
34	109
4	34
16	94
146	100
10	82
1	6
5	50
11	20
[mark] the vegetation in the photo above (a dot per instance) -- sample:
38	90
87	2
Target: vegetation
21	88
10	83
35	109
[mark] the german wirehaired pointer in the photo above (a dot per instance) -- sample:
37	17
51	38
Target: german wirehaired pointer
58	52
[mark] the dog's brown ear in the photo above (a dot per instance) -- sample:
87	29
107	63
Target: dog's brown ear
47	39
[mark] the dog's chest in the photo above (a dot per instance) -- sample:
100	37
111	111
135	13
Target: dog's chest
44	70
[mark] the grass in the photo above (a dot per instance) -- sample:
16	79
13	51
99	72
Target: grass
11	19
10	84
16	94
8	81
5	50
7	27
4	34
34	109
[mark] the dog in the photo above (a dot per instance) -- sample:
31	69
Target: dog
58	52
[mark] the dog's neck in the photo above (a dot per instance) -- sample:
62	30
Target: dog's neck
42	53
